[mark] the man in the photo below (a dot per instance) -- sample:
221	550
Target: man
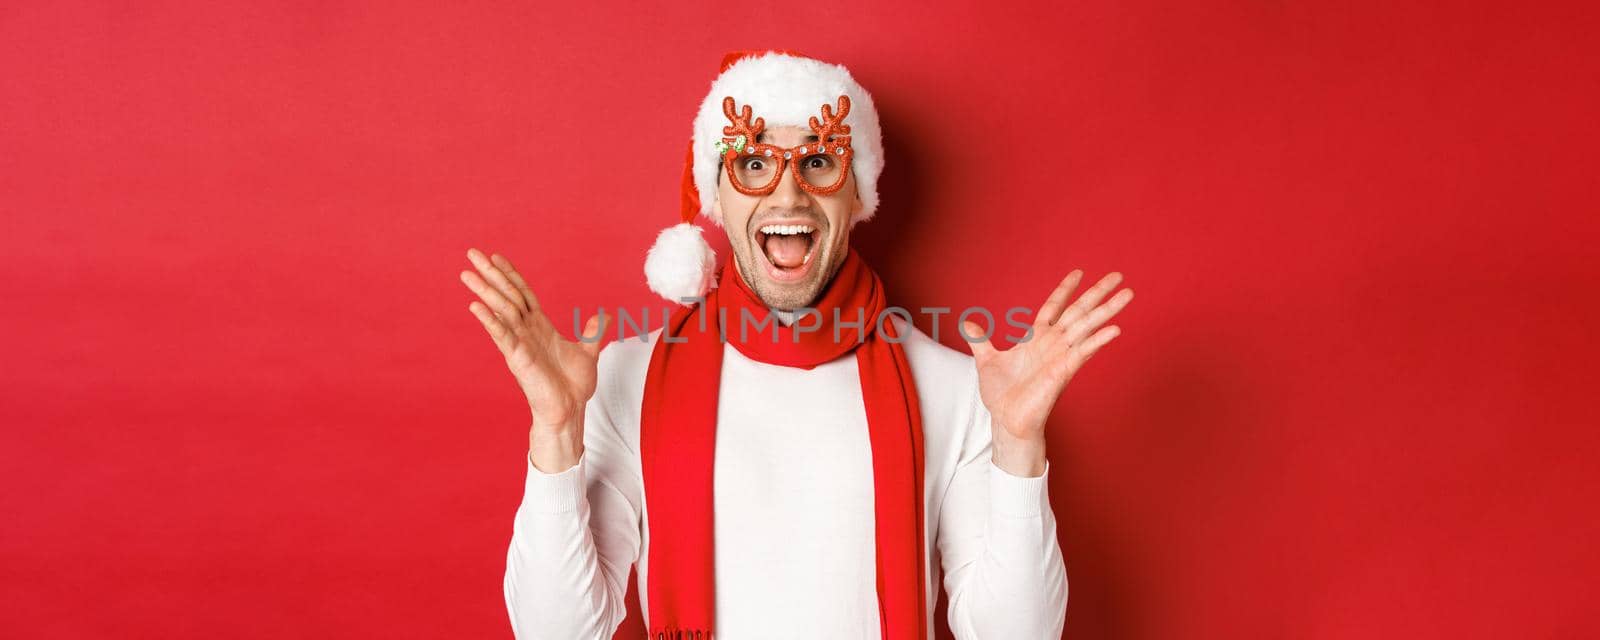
795	479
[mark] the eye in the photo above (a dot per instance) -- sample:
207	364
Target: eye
754	164
818	162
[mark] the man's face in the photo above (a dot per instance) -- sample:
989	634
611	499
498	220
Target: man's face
788	244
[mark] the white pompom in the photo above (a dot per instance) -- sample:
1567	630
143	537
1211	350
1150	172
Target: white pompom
680	264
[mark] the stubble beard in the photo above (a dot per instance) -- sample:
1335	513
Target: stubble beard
791	296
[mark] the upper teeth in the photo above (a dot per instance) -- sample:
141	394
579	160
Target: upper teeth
787	229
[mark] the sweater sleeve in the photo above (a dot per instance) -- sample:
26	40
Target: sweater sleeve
1004	573
574	540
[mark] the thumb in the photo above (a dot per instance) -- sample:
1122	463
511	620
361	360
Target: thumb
980	345
594	332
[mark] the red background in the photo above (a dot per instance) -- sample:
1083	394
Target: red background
243	395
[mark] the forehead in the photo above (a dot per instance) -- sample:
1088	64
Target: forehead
786	134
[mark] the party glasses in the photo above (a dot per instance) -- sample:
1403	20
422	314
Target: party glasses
755	168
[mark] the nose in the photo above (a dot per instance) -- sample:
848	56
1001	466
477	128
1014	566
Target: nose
789	194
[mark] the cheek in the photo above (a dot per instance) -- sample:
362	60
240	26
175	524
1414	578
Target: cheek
735	206
839	209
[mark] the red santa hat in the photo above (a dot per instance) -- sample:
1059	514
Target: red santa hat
786	89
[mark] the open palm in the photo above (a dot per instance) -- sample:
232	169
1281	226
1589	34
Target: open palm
1020	385
556	374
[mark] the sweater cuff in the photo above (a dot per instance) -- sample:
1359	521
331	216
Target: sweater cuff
1016	496
554	492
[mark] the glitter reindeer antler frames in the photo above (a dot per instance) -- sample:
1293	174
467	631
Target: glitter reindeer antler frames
755	168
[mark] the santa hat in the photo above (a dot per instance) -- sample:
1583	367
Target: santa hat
785	89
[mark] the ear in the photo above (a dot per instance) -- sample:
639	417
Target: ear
857	205
855	213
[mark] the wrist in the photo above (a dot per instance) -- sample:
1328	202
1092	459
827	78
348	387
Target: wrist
555	448
1023	458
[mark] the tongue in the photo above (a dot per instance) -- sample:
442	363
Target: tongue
788	252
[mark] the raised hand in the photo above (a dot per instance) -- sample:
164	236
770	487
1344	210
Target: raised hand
556	374
1020	385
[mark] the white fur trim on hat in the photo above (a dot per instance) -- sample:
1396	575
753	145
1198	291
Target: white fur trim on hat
680	264
787	90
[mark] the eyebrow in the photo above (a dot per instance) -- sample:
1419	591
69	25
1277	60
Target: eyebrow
762	137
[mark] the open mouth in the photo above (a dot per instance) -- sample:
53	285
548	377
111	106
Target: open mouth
788	249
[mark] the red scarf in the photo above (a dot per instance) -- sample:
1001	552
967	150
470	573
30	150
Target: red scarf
678	435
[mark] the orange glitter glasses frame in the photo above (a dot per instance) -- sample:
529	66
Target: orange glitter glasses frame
755	168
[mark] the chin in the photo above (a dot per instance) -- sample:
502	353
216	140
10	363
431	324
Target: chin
786	294
786	288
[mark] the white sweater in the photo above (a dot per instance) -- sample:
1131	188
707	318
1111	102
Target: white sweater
793	510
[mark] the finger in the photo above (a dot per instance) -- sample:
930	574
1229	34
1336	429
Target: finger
973	332
495	277
497	331
1098	316
1081	353
507	311
1089	299
516	279
1051	309
594	333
